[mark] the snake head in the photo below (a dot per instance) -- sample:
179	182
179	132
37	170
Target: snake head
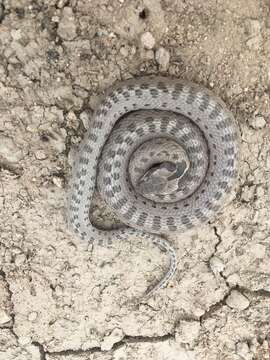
162	178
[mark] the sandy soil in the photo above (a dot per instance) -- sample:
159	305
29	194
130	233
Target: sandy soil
61	299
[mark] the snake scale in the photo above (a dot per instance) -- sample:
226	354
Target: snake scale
140	116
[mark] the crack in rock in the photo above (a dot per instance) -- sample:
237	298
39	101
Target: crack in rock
242	290
219	239
260	292
68	351
126	340
215	307
41	350
218	236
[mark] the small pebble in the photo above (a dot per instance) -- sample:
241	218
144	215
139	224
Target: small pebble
72	121
124	51
233	279
133	50
163	58
55	19
59	290
148	41
4	317
20	259
58	181
216	264
237	301
40	155
61	3
115	336
32	316
257	122
248	193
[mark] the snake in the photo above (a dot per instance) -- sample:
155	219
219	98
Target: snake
163	154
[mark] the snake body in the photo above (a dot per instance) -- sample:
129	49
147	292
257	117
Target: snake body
144	111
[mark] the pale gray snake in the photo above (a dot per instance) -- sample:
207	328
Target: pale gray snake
153	111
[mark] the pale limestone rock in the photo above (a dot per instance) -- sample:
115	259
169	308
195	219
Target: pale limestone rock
163	58
257	122
238	301
148	41
4	317
115	336
40	155
216	264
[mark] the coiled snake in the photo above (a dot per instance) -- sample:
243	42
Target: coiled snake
164	167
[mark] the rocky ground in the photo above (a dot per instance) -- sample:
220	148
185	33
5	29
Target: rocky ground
61	299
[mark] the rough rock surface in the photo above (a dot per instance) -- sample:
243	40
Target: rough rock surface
61	299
